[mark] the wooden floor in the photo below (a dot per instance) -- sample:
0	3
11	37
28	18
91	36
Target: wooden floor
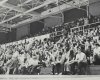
92	70
46	71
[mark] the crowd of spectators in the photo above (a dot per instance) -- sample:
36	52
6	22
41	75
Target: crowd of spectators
67	54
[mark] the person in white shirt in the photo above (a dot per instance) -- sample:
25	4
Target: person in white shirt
33	61
33	65
87	45
96	54
15	54
81	62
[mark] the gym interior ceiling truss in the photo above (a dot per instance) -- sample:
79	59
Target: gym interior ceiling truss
17	12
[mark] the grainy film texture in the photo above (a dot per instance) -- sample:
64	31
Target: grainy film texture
50	37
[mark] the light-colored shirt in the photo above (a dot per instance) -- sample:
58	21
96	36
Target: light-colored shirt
16	54
21	58
87	45
81	57
33	62
96	51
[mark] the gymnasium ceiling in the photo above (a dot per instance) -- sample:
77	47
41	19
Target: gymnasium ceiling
17	12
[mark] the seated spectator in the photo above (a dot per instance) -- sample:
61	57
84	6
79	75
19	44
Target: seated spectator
81	62
69	64
96	54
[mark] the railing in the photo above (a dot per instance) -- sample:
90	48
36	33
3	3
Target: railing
82	28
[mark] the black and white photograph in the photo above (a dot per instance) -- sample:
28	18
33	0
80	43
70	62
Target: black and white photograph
50	37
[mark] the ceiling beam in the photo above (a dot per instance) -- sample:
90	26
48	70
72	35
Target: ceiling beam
15	8
6	25
55	11
30	10
27	1
12	7
55	16
44	4
3	1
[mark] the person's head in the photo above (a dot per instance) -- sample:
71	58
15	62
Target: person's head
21	53
45	40
60	53
97	45
35	57
54	50
58	45
71	53
79	49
